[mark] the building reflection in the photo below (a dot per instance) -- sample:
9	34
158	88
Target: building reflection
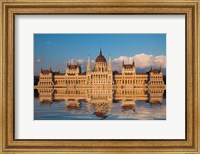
128	105
72	104
100	101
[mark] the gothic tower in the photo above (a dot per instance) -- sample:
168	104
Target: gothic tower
109	65
134	69
110	74
88	72
88	65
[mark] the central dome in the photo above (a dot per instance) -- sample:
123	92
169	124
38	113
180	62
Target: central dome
100	58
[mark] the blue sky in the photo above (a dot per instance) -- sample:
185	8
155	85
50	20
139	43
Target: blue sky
54	50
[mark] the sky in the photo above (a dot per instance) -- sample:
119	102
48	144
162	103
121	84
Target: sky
55	50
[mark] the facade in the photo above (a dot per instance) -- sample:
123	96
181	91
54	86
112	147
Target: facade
100	76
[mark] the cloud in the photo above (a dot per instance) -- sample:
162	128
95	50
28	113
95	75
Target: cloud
38	60
142	61
75	61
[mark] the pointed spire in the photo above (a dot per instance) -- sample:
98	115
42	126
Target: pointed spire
133	63
151	68
100	51
88	65
50	68
41	70
160	68
109	64
123	63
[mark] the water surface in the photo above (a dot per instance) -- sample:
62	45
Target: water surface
123	104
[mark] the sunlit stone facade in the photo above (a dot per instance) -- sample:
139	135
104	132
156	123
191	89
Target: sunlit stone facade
100	76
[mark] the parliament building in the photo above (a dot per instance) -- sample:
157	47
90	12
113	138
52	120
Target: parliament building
101	76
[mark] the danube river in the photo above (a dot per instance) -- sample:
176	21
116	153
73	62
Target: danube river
99	104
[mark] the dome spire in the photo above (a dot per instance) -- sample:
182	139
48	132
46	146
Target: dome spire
100	51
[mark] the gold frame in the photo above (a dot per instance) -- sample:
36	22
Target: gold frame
190	8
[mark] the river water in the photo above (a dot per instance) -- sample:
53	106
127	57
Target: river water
122	104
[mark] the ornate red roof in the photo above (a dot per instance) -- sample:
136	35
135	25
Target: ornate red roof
100	58
72	66
128	66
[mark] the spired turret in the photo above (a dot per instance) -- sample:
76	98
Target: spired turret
46	78
88	65
110	73
74	69
156	78
109	65
88	71
128	69
133	63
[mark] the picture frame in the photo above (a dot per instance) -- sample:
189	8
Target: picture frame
7	73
